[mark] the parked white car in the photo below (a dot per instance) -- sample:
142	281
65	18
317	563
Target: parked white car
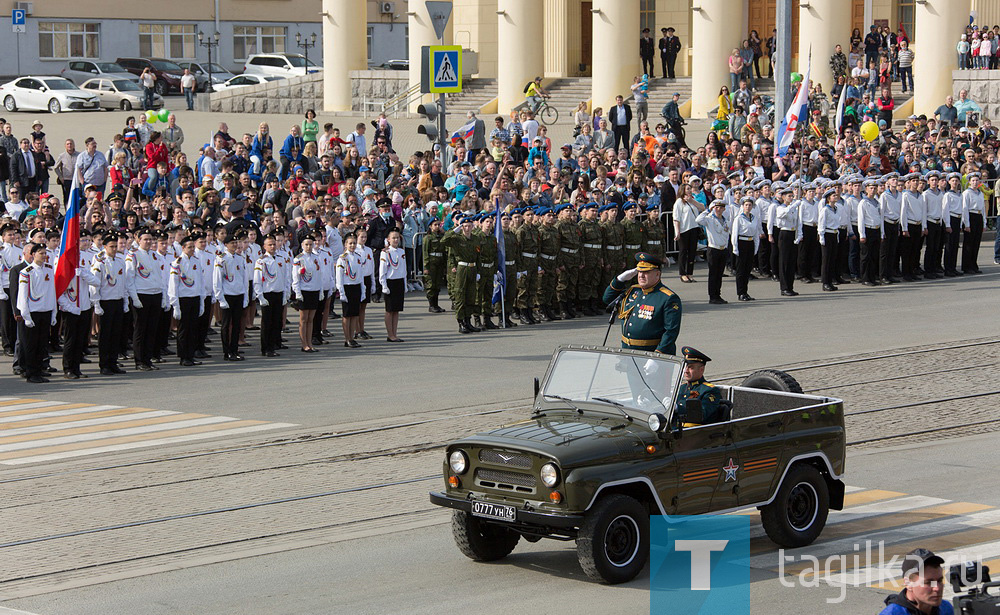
40	93
279	65
242	81
122	94
79	71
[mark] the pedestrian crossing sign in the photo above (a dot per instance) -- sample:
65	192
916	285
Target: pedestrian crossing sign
445	68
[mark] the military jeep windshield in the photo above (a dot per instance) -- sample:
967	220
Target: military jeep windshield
639	383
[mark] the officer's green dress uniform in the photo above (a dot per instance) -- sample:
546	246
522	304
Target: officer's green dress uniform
592	274
569	262
465	251
654	235
434	267
614	249
512	269
708	393
487	269
651	319
548	251
527	279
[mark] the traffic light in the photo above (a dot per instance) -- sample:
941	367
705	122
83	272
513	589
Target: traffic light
432	112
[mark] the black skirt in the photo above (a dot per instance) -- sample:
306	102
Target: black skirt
310	300
394	300
368	289
351	301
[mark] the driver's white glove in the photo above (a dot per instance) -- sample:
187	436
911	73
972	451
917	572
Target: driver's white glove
625	276
645	402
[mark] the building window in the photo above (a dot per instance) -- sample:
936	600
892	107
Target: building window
248	40
62	41
647	15
371	35
906	12
175	41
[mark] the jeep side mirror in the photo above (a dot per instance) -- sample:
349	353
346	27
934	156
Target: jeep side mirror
693	412
537	388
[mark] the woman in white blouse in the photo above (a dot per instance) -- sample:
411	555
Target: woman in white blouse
687	231
368	273
350	284
307	284
392	277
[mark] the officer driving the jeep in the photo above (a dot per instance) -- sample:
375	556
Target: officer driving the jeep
695	387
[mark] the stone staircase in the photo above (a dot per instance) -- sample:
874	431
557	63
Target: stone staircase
475	93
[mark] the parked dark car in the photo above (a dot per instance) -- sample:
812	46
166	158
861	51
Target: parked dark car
168	73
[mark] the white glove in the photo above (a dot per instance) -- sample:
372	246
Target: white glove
177	312
540	270
137	304
246	301
625	276
263	302
98	310
340	289
201	308
125	309
28	322
223	304
298	296
165	303
54	314
284	298
385	289
3	295
478	277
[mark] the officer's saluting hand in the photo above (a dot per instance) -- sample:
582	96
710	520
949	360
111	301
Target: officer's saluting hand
650	312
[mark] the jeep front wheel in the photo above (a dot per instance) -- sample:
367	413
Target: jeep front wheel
481	540
613	543
798	513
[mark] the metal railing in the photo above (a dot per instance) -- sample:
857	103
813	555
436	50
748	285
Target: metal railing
399	102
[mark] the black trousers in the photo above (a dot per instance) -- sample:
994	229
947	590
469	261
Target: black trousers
775	266
887	253
843	252
787	253
648	62
622	134
668	60
716	267
8	328
33	342
870	250
204	322
270	322
828	268
109	338
231	319
970	244
910	249
76	329
187	327
128	327
854	253
145	329
744	263
687	246
764	257
951	244
932	253
808	261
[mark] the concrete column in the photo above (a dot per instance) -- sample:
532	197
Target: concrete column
556	38
422	33
717	28
934	51
987	12
344	50
520	39
616	50
823	24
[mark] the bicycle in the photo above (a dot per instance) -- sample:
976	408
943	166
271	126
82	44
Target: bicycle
547	113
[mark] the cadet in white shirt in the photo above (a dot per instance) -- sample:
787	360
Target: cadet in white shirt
269	285
933	197
10	256
36	302
392	278
352	289
77	311
204	252
327	263
111	304
974	205
307	284
746	241
788	225
828	232
368	273
870	232
913	222
229	286
713	220
890	204
185	297
808	251
955	218
144	276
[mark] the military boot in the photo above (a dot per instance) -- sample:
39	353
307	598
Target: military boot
462	328
586	308
568	307
508	322
472	328
478	319
488	323
547	314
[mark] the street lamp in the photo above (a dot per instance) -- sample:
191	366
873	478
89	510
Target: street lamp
212	42
305	44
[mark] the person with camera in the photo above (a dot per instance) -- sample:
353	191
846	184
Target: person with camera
923	587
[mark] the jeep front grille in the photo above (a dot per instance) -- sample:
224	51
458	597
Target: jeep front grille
509	481
514	460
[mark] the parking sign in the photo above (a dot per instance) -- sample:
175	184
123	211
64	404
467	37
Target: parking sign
17	20
445	68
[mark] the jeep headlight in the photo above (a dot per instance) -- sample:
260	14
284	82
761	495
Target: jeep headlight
656	422
458	461
549	475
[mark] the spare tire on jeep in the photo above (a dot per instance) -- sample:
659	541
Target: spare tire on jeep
772	380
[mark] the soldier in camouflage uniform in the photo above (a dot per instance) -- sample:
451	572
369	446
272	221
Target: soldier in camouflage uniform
463	249
592	274
655	235
512	264
569	262
435	265
451	269
548	252
527	275
487	269
614	244
634	233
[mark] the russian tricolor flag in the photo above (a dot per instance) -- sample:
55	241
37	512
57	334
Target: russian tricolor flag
69	248
797	112
465	132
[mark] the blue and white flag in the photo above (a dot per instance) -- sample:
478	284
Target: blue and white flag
797	112
500	279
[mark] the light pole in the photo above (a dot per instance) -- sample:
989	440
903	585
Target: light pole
211	42
305	44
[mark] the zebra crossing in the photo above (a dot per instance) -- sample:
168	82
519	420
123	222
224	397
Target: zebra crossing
35	430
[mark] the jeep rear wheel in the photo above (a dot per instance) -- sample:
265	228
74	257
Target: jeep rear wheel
798	513
772	380
613	543
481	540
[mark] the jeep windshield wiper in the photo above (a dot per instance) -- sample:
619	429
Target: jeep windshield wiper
621	407
569	402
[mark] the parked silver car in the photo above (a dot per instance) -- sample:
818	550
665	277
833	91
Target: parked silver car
79	71
200	72
121	94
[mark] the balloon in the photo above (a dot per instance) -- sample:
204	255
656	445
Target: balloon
796	77
869	131
164	114
151	116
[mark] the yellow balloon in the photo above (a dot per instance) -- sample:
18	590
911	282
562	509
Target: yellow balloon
869	131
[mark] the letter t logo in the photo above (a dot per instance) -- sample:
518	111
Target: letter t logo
701	560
